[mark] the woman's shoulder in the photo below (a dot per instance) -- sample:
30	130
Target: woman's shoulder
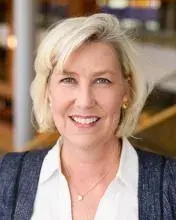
157	184
16	164
12	160
152	156
156	162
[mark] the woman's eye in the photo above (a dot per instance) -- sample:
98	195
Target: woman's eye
68	80
103	81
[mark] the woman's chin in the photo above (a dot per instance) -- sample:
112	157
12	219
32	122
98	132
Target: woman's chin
83	141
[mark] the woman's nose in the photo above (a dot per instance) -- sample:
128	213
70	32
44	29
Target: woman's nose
85	98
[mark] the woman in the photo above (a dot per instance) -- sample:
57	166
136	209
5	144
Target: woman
87	88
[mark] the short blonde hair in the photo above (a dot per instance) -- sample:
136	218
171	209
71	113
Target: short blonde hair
64	38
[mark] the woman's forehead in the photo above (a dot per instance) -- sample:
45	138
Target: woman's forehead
97	55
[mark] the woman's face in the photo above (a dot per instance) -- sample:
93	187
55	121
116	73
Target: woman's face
87	97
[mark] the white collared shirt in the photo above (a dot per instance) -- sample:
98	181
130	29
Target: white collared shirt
119	201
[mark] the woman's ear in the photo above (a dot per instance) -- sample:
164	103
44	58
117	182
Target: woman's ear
127	95
125	102
128	89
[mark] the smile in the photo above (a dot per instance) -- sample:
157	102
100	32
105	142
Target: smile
85	120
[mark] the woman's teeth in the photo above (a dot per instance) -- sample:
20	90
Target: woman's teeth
85	120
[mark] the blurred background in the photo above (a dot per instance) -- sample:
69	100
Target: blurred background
152	23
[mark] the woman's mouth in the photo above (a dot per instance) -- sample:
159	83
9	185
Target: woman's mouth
85	121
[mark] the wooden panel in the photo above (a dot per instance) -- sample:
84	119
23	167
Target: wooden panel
150	121
5	137
5	90
158	133
42	141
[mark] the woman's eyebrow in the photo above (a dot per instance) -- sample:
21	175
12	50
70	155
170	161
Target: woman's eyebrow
104	72
67	72
96	73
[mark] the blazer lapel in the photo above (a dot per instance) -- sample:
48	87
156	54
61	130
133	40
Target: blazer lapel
150	186
28	182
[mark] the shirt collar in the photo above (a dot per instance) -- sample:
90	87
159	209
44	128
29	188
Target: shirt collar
128	167
127	172
51	164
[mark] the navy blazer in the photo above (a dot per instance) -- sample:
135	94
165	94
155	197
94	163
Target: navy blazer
19	176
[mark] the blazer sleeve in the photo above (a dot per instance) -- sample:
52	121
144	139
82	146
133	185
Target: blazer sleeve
169	187
9	169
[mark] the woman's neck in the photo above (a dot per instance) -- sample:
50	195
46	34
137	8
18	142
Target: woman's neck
90	162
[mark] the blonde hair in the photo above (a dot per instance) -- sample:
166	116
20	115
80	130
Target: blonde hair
66	37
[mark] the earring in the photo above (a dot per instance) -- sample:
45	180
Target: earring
125	104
